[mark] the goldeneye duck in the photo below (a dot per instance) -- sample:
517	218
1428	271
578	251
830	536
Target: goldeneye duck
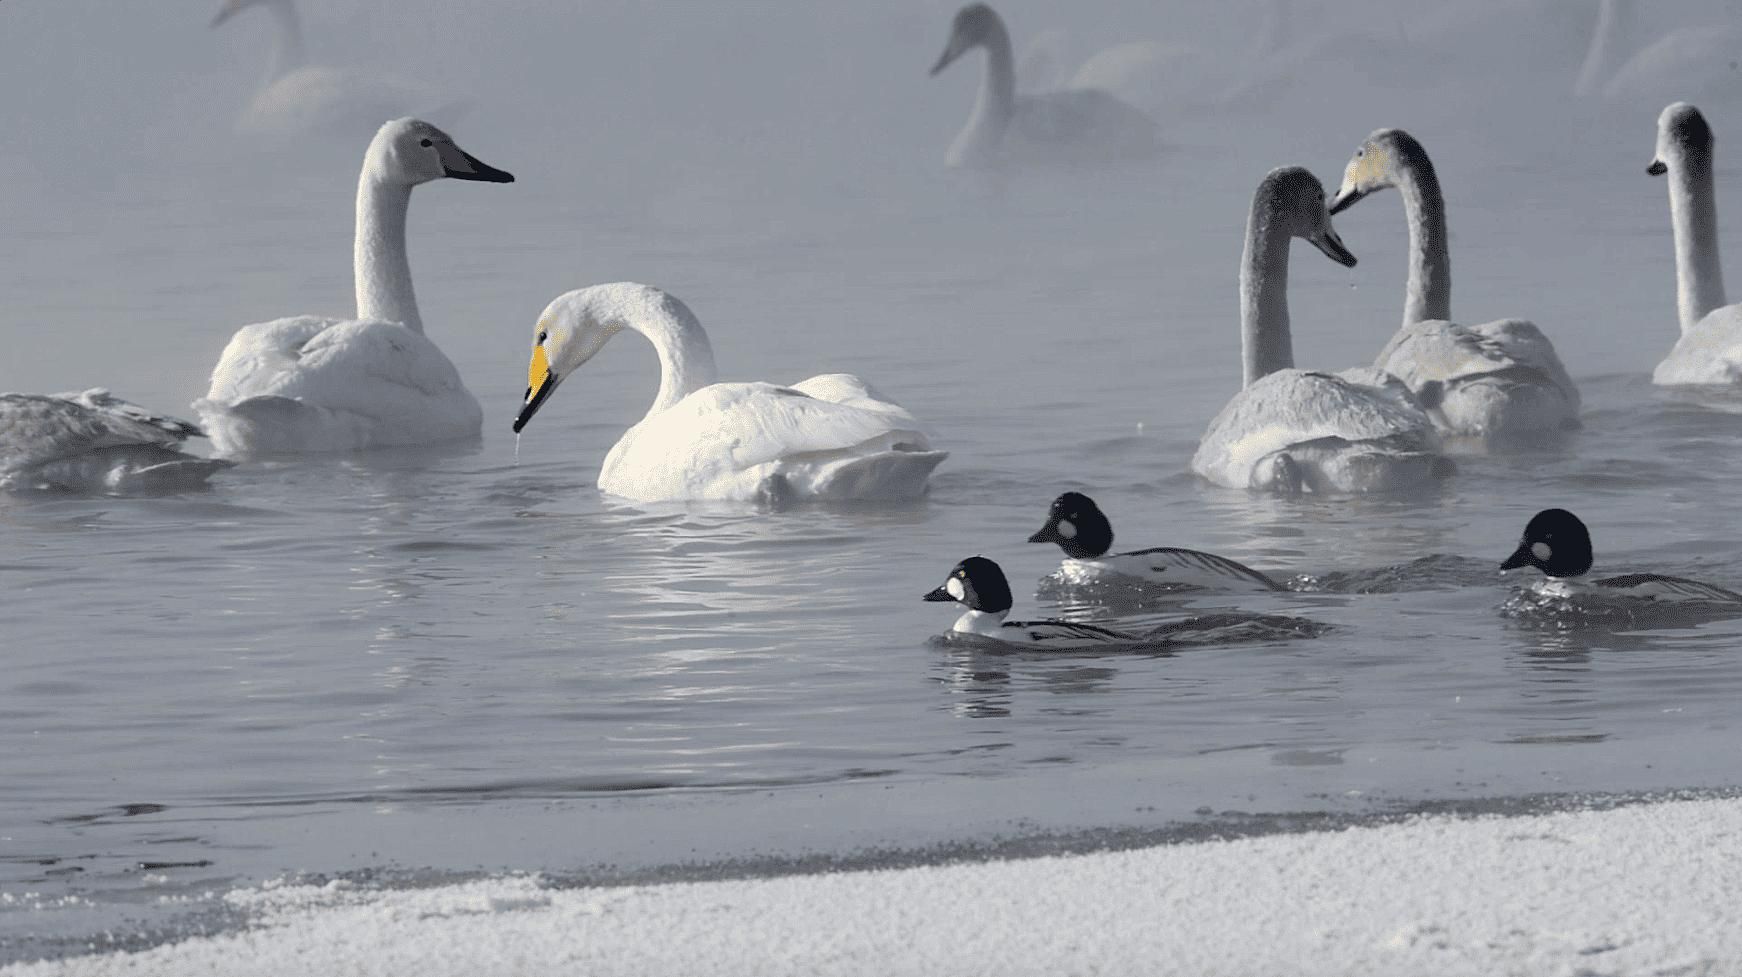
978	584
1079	528
1557	543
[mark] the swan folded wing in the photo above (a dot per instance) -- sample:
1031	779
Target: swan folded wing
354	384
728	440
1437	351
1708	353
1083	122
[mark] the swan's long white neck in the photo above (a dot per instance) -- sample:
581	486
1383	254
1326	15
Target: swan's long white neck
983	623
380	263
1265	343
686	358
287	49
996	104
1693	208
1428	294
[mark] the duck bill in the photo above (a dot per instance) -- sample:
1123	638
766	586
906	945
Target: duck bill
1345	199
939	596
1519	558
1332	245
1048	534
540	381
1657	168
469	167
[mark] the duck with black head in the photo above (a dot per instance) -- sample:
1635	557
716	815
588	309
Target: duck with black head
1556	542
1085	534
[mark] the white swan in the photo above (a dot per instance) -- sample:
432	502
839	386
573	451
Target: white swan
1062	126
1710	348
95	442
831	437
1686	61
298	98
315	383
1497	382
1289	430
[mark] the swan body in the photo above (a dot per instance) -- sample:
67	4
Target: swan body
300	99
1494	382
95	442
831	437
314	384
1067	126
1084	533
1709	350
1294	430
1556	542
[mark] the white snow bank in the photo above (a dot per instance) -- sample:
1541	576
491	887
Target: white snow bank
1650	889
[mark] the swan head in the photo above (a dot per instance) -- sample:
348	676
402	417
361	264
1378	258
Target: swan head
1556	542
974	25
1376	165
233	7
1292	197
1682	134
1078	526
977	584
407	152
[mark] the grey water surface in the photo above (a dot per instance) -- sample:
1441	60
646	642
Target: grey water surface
465	659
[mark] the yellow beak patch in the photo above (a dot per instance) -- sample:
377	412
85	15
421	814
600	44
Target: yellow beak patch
537	373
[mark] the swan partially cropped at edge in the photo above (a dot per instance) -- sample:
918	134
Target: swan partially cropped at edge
1291	430
1498	381
95	442
1691	61
298	98
831	437
1710	348
1074	125
317	383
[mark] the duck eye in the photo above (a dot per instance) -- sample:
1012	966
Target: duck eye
427	144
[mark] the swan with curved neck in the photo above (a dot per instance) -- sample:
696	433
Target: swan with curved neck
1292	430
1076	125
1709	350
831	437
314	383
298	99
1497	382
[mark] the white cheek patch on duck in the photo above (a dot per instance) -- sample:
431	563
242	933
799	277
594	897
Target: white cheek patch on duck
1541	551
954	588
1067	529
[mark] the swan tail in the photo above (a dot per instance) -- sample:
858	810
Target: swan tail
898	473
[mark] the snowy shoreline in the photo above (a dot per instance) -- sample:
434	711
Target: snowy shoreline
1641	888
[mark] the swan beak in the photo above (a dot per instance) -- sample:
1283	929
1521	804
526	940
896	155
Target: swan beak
950	54
540	381
1657	168
1332	245
1520	558
1345	199
227	11
469	167
939	596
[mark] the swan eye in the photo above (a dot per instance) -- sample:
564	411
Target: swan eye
542	336
1360	152
426	143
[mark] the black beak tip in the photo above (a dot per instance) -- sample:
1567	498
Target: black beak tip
1657	168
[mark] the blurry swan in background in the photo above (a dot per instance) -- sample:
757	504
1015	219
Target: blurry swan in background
1291	430
1710	348
1073	125
298	98
94	442
1685	62
831	437
1499	381
321	383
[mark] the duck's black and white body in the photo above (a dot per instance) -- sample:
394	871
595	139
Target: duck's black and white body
1085	535
95	442
1557	543
978	584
